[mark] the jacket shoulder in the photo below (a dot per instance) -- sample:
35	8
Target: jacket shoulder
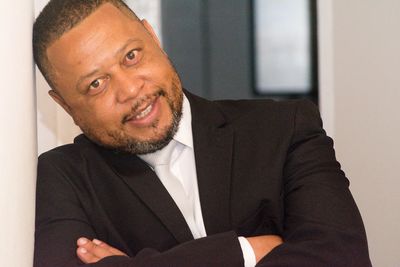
72	151
267	110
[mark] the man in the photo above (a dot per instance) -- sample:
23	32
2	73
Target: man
164	178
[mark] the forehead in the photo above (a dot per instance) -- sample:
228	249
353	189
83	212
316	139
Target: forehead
100	34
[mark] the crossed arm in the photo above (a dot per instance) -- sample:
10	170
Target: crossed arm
92	251
61	220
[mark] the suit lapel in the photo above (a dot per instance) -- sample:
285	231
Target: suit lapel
213	142
145	184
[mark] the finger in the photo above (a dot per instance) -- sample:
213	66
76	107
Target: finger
85	256
112	250
93	249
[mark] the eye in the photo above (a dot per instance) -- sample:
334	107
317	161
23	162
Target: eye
97	85
131	57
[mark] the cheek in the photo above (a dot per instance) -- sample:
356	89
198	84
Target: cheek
166	116
102	114
159	68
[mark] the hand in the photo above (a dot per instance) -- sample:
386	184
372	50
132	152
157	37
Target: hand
262	245
95	250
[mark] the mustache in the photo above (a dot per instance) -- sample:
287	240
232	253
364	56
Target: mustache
139	102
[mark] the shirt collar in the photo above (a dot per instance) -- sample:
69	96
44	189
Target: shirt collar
184	133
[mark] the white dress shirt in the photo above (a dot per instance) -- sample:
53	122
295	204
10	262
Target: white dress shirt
184	189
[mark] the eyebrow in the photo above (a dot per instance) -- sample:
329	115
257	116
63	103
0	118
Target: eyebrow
119	51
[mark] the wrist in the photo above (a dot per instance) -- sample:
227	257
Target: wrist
262	245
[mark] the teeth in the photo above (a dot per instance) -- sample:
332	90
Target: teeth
144	112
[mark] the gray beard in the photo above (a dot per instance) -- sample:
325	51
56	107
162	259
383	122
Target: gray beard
127	144
145	147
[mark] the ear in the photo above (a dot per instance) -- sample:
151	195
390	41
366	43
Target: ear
150	30
58	98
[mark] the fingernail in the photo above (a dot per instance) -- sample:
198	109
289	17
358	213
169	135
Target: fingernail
83	250
82	241
96	241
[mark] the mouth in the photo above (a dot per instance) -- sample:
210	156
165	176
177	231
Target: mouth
143	111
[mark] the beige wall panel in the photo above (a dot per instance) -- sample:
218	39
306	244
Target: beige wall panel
17	135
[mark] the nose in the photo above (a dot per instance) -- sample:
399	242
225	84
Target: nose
127	86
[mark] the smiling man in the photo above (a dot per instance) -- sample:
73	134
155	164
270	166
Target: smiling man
161	177
118	67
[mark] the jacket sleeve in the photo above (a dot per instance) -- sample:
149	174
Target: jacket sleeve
322	225
213	251
60	220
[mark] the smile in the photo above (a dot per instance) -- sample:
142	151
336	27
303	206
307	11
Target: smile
144	113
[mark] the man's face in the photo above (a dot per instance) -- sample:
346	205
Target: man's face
115	81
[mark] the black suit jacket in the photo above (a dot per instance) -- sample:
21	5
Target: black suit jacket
263	167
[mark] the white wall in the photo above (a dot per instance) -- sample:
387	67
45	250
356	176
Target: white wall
54	126
17	135
361	93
